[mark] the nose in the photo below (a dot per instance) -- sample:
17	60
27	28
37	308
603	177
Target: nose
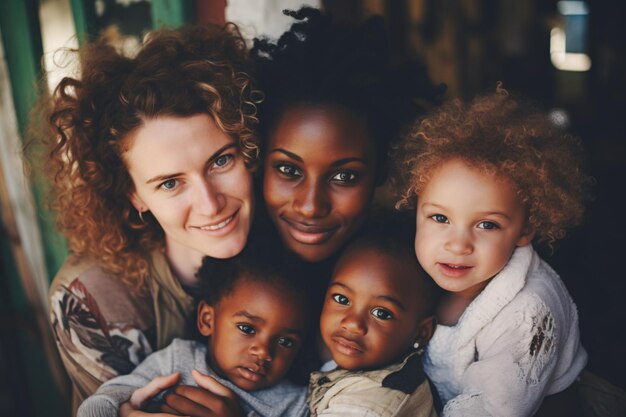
209	200
262	350
311	200
354	323
459	242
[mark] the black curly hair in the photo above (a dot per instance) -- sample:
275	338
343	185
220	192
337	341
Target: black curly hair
318	62
392	233
263	260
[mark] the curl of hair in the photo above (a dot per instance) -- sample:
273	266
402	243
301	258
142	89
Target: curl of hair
318	62
392	233
183	72
263	260
505	136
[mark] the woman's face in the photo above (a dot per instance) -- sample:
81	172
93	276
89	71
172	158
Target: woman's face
191	177
319	179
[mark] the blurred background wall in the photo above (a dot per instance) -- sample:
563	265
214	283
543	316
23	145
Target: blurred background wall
570	56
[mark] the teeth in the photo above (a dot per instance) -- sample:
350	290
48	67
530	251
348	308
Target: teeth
455	266
219	225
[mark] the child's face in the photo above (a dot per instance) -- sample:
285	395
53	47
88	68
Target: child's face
319	179
372	311
254	333
468	224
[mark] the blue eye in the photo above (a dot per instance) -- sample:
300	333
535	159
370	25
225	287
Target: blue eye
169	184
488	225
288	170
344	177
286	342
341	299
439	218
222	160
246	328
382	314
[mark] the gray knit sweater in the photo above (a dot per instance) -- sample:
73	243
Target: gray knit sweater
284	399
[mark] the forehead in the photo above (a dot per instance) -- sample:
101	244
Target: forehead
370	271
175	142
456	180
276	305
326	130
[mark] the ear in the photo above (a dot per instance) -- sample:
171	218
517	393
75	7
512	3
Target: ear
137	202
528	234
426	330
205	319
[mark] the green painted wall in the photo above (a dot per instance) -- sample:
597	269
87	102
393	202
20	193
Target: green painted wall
172	13
21	37
30	384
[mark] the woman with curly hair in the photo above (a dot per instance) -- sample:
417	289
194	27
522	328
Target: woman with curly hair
333	104
486	179
149	158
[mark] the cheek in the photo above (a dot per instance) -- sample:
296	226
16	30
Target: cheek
275	192
170	211
239	184
326	321
352	204
421	244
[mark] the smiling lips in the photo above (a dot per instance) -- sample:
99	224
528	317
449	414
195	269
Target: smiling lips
307	233
220	225
454	270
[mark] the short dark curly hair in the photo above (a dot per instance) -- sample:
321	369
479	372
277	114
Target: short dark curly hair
263	260
181	72
509	137
392	233
318	62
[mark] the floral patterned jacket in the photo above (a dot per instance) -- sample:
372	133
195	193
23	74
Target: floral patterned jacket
103	329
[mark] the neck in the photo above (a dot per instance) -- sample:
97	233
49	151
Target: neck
184	262
453	304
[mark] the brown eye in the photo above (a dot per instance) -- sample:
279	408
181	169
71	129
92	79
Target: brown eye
288	170
344	177
286	342
341	299
382	314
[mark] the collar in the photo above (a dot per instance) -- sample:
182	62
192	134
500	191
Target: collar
172	305
404	376
496	295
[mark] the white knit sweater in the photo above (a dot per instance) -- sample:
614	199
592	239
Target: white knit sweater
517	342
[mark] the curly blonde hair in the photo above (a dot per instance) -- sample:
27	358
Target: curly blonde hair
196	69
498	134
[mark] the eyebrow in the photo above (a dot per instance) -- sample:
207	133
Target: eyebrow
249	316
178	174
393	301
334	164
388	298
257	319
289	154
344	161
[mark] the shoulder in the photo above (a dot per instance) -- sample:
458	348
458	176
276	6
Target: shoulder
83	284
543	302
382	392
361	394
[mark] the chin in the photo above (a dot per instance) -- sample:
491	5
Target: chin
309	255
229	249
